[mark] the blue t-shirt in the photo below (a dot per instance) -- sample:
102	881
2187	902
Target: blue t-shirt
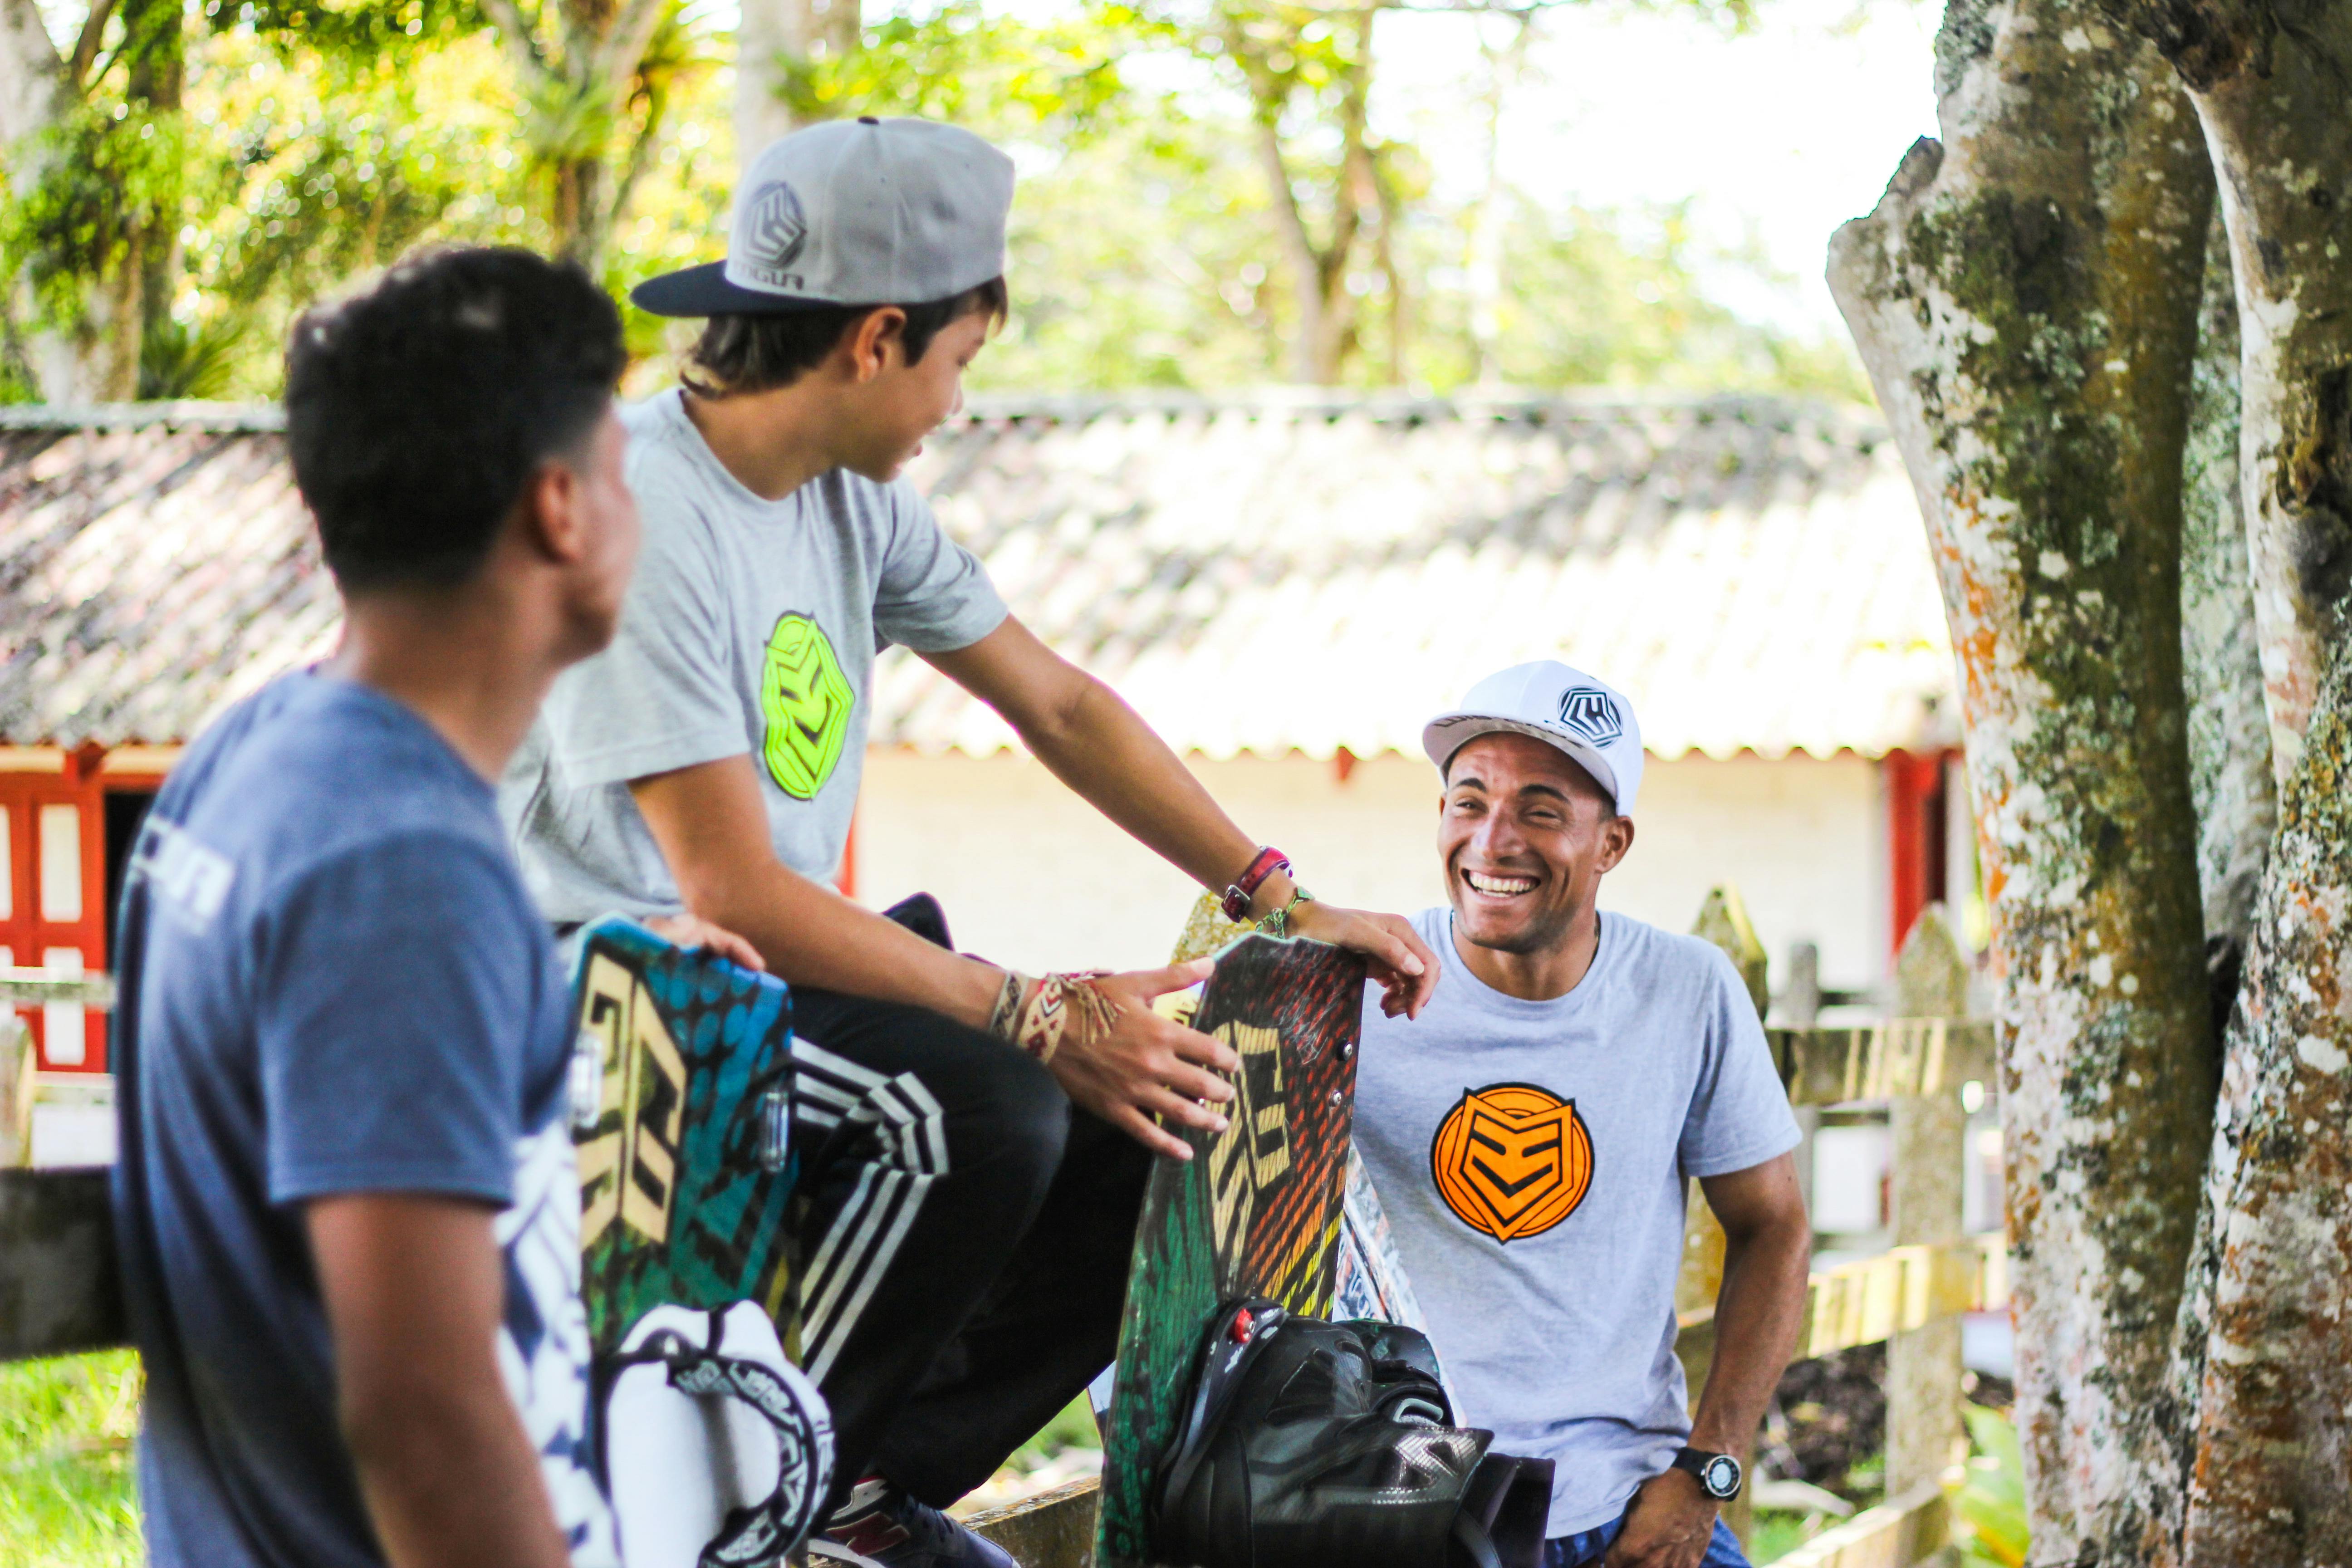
331	982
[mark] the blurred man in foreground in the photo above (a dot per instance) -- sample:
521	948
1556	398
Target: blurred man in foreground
345	1204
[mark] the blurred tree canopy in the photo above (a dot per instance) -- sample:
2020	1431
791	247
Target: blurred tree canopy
1205	199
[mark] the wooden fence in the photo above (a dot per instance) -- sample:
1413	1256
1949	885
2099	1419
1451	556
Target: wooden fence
60	1293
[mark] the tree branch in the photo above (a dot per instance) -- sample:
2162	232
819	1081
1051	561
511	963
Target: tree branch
93	29
516	36
624	43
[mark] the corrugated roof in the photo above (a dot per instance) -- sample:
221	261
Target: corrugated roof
1261	573
155	563
1315	571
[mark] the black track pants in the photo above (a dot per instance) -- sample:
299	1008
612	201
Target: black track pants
965	1238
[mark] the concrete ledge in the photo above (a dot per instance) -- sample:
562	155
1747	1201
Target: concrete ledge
1052	1530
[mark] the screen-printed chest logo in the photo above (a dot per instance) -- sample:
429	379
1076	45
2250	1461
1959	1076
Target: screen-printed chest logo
1512	1159
806	700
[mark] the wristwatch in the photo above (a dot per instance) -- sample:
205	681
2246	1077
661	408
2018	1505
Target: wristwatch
1718	1474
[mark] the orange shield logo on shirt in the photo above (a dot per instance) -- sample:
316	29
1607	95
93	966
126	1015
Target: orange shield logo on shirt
1512	1159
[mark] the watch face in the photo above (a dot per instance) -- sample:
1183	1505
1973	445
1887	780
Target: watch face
1721	1475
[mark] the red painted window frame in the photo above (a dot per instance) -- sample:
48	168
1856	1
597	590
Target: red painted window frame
1916	840
24	932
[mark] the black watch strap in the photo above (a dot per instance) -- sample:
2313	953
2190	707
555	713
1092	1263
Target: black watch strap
1718	1474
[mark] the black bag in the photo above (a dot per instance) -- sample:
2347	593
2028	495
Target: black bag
1313	1445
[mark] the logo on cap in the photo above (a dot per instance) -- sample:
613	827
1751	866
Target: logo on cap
774	234
1592	713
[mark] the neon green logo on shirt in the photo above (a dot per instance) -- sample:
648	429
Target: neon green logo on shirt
806	699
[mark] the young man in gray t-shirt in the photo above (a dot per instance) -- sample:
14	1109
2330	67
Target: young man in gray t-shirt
1532	1132
973	1141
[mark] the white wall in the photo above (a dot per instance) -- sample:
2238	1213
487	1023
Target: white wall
1030	876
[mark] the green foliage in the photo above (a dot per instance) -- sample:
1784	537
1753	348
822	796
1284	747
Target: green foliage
1991	1502
66	1494
178	361
319	138
1002	77
1619	298
1142	239
109	174
350	29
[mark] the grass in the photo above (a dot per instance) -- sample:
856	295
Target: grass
67	1496
1072	1429
1777	1535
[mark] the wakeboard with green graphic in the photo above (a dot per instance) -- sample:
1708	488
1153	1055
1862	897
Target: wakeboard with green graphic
682	1114
1258	1211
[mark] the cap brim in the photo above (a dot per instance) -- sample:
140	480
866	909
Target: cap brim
704	290
1449	732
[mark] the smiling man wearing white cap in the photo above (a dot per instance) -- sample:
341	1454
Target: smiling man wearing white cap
973	1142
1532	1132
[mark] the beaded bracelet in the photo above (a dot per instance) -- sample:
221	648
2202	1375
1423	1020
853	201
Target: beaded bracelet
1277	923
1038	1015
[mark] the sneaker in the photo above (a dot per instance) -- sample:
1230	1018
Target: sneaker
887	1529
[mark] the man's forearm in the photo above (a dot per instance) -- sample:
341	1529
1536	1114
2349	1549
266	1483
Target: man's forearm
811	936
414	1286
713	830
450	1480
1757	1315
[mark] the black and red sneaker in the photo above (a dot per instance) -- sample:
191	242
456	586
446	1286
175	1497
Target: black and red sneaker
882	1527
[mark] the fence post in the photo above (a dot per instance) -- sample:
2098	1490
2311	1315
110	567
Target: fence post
15	1091
1923	1432
1723	920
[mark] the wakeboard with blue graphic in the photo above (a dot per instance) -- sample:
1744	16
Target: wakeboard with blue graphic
682	1118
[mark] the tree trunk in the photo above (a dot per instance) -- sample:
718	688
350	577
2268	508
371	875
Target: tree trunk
2269	82
32	79
2229	729
1482	265
2273	1436
2025	299
2272	1378
772	36
1325	330
583	82
156	44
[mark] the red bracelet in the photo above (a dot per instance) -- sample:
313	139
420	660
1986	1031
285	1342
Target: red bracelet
1266	862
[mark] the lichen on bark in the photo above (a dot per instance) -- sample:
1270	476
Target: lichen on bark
2025	299
2272	1440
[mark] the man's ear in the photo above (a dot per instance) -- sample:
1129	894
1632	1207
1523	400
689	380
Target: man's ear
549	518
876	343
1616	841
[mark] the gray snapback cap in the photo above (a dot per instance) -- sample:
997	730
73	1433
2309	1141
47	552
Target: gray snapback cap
853	211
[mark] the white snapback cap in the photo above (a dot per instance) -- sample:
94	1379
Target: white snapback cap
853	211
1582	714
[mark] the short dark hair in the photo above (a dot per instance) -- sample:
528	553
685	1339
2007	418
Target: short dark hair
758	352
417	409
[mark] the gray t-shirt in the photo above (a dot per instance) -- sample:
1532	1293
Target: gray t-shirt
1532	1157
750	627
